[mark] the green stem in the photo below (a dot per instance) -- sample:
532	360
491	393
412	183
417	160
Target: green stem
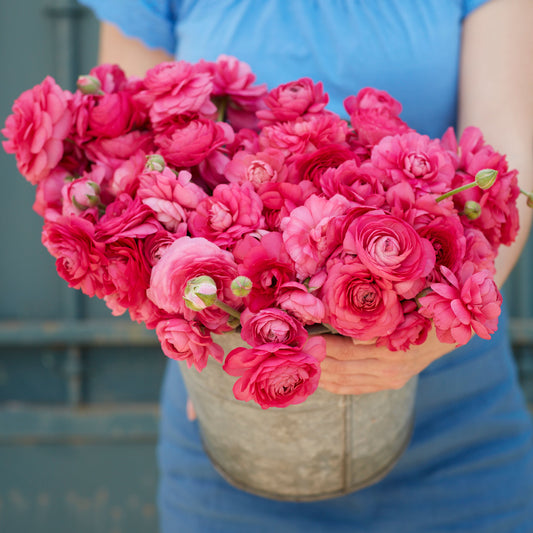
455	191
228	309
320	329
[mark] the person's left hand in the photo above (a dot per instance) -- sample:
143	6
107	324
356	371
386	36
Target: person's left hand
355	367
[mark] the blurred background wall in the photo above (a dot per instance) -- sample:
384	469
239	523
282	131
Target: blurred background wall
78	387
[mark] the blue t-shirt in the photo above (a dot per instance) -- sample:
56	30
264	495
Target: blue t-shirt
409	48
469	467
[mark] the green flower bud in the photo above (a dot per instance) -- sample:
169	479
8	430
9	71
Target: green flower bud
155	162
88	84
200	292
529	199
241	286
472	210
485	178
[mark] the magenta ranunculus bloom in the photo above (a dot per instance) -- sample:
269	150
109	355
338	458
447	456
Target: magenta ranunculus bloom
359	304
276	375
189	341
185	259
231	212
36	130
466	302
292	100
307	234
271	325
391	249
80	259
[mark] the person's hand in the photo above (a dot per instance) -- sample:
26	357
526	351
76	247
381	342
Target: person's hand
354	367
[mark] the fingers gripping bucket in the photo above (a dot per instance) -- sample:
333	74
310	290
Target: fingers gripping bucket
328	446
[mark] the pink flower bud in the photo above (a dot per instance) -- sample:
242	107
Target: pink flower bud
485	178
472	210
241	286
88	84
155	162
200	292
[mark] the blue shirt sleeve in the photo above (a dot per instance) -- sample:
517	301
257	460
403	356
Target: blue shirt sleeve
470	5
152	21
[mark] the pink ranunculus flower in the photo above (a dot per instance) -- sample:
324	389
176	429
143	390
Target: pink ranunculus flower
374	115
176	88
48	196
279	199
256	168
269	266
157	243
125	178
415	158
307	233
230	213
360	184
479	250
446	235
185	259
81	196
312	165
276	375
391	249
271	325
358	303
296	299
126	217
188	341
80	259
413	330
171	197
114	152
35	131
499	218
291	100
304	134
191	141
466	302
129	271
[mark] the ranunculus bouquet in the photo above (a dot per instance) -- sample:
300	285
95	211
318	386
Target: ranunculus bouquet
200	203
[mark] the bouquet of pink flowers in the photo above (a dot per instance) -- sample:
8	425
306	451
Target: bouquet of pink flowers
201	203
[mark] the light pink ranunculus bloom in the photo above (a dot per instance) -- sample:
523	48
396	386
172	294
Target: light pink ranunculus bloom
271	325
171	197
479	250
276	375
257	168
391	249
359	304
415	158
298	301
307	233
291	100
185	259
125	179
230	213
176	88
35	131
466	302
188	341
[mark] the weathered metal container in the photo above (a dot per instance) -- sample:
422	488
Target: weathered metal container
328	446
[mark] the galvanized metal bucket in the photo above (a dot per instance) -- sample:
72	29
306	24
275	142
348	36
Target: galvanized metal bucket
328	446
